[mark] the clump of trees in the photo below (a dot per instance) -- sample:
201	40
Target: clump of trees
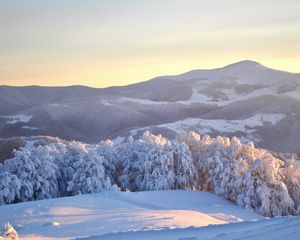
253	178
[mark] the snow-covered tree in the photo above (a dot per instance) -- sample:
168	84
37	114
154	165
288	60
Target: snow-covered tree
153	163
110	160
36	172
185	172
157	170
132	157
252	177
10	187
90	176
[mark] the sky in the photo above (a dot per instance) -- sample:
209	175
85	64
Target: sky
116	42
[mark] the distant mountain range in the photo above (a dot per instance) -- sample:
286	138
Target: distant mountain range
245	99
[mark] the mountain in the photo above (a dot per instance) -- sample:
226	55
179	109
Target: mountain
245	99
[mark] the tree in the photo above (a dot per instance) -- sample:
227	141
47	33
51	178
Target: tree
90	176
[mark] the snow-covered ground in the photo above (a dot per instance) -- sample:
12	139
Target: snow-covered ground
141	101
29	127
59	105
236	82
17	118
115	212
268	82
278	228
207	126
179	215
227	126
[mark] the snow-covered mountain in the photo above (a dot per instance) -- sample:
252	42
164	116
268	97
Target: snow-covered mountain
250	100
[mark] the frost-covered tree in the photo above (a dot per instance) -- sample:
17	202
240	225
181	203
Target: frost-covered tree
90	176
185	172
158	170
9	188
156	139
261	188
291	179
153	163
132	157
145	164
36	172
254	178
110	160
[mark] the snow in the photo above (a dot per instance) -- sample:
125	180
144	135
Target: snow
59	105
206	126
198	97
118	140
278	228
253	178
141	101
105	102
29	127
294	94
113	212
153	215
18	118
230	94
262	80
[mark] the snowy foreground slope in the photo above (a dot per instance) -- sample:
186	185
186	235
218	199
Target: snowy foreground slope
144	215
279	228
115	212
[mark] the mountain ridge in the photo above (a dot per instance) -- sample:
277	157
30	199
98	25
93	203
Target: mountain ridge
239	91
242	63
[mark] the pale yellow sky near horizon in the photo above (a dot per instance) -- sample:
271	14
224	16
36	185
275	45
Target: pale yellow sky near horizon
105	43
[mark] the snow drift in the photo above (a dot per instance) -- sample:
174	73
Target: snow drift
253	178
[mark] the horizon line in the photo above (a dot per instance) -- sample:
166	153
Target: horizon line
249	61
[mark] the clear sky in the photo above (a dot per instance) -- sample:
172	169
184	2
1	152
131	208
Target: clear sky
116	42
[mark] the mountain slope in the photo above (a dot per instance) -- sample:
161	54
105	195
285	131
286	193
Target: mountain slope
235	92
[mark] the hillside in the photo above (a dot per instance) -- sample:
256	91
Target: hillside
146	215
112	212
237	92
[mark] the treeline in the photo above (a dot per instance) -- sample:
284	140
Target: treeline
253	178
